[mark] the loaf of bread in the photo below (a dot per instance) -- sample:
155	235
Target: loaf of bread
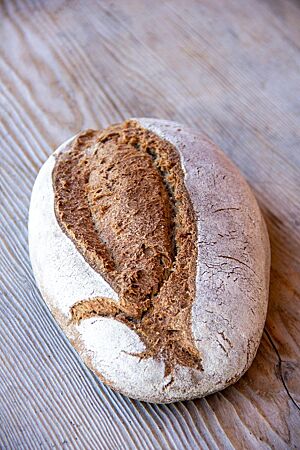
150	250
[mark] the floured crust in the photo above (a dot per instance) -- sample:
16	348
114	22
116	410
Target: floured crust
231	283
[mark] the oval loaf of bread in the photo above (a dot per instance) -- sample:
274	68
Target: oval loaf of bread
151	252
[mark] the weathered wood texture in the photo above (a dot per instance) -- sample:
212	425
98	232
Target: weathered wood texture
231	68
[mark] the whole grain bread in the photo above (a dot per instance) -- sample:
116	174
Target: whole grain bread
149	248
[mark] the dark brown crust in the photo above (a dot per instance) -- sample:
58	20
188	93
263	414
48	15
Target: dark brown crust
121	198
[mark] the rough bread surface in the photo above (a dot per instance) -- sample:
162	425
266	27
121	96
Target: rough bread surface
126	185
194	271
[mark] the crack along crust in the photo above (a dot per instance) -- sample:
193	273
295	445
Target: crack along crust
120	196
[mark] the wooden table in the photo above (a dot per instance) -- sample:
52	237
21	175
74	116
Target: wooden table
230	68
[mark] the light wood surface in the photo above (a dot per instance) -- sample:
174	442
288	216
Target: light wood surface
230	68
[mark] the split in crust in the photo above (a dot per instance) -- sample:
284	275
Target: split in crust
120	196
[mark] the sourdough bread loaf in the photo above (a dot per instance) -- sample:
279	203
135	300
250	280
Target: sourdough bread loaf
151	252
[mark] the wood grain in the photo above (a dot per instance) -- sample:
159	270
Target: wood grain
230	68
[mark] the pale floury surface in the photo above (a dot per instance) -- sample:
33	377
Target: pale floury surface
229	310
